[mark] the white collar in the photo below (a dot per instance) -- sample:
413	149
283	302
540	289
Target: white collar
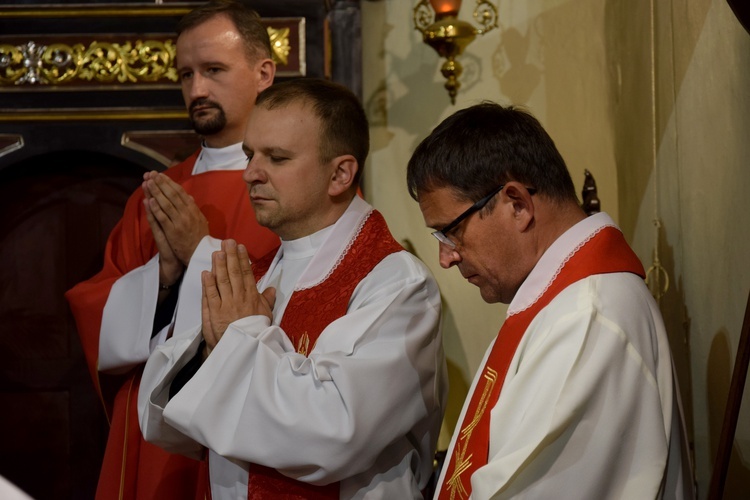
306	246
554	258
227	158
332	244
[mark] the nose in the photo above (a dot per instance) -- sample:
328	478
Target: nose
253	173
449	256
197	87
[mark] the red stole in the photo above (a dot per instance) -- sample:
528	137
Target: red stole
308	313
606	252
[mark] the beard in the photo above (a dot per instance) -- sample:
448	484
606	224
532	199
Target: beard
211	124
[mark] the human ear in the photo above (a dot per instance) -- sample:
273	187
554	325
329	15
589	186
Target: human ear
266	70
344	172
523	203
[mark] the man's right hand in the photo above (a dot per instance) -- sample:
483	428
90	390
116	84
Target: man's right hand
170	267
179	217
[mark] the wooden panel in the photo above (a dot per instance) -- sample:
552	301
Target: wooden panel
121	61
35	438
58	210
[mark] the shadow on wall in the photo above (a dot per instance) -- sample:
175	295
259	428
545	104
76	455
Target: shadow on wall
455	354
425	99
628	58
459	389
677	323
376	103
518	78
410	93
720	362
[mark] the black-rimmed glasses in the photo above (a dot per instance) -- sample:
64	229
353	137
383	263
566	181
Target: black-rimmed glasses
442	234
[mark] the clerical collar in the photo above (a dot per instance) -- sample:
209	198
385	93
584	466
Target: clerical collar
227	158
305	247
549	265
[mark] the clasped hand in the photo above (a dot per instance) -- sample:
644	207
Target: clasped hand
230	293
176	221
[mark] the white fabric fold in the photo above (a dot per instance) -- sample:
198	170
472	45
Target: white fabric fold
364	408
588	408
128	318
127	322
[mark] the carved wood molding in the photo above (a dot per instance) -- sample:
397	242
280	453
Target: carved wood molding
116	60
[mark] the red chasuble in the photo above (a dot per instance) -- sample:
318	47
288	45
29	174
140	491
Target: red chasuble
606	252
308	313
133	468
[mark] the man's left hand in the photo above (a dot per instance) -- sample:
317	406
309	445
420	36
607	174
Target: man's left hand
180	218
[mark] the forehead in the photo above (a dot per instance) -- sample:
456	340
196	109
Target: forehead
441	205
214	39
290	123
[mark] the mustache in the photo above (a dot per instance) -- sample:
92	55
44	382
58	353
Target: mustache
256	192
205	103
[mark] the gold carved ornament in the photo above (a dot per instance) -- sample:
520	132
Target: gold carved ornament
104	62
280	47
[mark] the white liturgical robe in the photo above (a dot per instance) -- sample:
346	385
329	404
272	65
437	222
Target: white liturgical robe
363	408
589	407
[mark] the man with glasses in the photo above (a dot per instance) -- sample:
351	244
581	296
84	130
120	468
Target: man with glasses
576	397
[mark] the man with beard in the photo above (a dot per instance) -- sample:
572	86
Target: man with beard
170	227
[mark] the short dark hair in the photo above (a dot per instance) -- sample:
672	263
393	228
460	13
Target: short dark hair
245	19
344	124
481	147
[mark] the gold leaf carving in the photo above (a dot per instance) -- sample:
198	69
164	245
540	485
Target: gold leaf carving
279	44
103	62
11	64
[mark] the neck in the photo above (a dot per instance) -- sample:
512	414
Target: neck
316	222
205	144
222	139
557	219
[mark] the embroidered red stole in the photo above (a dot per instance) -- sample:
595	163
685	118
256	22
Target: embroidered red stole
308	313
606	252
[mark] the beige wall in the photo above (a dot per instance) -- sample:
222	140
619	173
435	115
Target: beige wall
652	97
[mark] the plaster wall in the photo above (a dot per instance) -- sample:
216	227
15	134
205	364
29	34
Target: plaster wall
652	97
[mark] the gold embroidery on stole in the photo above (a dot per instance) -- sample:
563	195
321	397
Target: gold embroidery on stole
455	483
303	344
